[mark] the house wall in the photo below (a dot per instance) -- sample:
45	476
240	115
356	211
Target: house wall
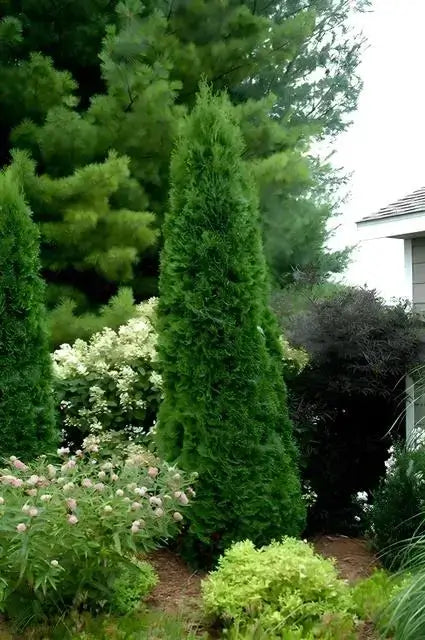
416	253
418	274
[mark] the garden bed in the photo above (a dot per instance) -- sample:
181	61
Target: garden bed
179	589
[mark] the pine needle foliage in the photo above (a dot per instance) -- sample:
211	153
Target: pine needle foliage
26	400
224	414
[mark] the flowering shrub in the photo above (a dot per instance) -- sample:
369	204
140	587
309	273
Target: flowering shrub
294	360
396	512
69	530
285	590
109	382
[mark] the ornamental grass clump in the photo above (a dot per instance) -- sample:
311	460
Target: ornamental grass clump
70	530
224	411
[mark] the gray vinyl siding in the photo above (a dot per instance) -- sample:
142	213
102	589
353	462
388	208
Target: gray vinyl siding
418	281
418	271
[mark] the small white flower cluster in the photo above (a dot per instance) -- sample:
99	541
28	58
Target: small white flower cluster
309	495
110	381
362	500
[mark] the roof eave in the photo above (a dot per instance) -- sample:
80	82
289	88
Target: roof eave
405	225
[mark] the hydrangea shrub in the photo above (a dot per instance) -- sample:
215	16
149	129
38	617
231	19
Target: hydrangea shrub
110	381
284	589
70	529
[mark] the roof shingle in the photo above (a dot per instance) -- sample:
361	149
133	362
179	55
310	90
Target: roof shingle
413	203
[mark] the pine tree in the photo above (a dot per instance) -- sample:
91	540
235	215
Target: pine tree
290	69
26	397
224	413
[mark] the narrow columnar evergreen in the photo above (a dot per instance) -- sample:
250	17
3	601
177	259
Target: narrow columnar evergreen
224	414
26	402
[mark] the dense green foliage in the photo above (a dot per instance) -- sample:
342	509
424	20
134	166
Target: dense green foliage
26	398
373	598
132	586
396	512
98	76
224	414
347	404
285	590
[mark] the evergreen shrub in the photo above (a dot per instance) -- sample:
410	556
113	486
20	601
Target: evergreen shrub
26	399
224	412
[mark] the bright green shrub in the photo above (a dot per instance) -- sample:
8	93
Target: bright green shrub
396	511
224	412
285	589
70	531
26	399
132	585
110	382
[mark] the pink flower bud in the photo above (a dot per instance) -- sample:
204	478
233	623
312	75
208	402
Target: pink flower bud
32	480
135	527
99	486
183	499
86	483
71	504
51	469
72	519
114	477
177	516
153	472
33	512
19	465
63	451
32	492
21	527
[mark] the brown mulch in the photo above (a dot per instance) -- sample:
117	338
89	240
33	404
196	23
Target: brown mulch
179	588
353	557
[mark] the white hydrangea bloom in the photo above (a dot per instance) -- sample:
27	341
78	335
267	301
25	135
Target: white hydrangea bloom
110	381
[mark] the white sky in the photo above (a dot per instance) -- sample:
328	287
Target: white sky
385	146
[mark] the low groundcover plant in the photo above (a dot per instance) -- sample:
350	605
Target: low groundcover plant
71	528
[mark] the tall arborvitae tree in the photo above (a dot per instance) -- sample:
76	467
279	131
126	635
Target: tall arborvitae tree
26	397
224	413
